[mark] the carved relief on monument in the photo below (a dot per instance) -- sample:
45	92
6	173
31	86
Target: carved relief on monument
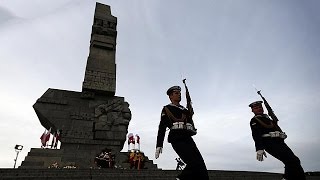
71	135
104	27
102	81
111	115
52	101
82	116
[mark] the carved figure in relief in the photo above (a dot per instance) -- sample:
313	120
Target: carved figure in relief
114	113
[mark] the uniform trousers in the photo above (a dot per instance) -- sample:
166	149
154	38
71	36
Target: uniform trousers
279	149
195	168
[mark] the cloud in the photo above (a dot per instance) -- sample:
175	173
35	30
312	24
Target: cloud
6	16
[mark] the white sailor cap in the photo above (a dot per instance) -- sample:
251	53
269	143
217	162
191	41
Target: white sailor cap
256	103
170	90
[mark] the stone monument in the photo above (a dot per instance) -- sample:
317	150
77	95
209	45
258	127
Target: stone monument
93	119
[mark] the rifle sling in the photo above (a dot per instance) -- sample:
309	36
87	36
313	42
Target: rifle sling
264	124
174	119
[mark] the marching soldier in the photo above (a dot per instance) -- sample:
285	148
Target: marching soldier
178	119
268	137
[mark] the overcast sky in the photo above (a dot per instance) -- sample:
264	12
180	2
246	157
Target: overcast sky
222	47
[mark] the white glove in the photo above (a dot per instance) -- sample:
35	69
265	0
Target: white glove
283	135
158	151
260	154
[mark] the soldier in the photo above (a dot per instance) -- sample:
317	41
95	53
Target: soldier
268	137
177	119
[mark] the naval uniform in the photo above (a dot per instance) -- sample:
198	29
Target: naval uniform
182	142
262	126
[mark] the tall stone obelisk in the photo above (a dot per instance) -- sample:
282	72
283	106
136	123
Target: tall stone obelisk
100	75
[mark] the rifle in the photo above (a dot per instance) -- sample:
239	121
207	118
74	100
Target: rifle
190	109
189	103
270	111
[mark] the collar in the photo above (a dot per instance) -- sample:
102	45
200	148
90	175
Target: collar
262	115
180	107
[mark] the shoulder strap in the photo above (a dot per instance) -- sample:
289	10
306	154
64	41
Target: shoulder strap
171	116
264	124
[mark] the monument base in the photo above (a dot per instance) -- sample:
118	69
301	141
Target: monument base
39	158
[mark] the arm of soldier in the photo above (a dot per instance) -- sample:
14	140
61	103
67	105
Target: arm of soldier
164	123
256	134
257	137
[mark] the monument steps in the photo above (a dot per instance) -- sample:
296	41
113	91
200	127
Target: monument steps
122	174
119	174
39	158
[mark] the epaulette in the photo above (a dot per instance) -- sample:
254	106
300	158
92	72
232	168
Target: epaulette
253	124
163	113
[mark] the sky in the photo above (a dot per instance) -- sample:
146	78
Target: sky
223	48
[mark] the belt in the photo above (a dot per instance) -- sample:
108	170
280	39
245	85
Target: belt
178	125
275	134
181	125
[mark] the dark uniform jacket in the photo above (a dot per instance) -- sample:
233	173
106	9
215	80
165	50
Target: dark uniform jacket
181	114
262	124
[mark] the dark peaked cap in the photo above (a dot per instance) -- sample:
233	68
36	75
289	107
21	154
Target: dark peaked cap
170	90
256	103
